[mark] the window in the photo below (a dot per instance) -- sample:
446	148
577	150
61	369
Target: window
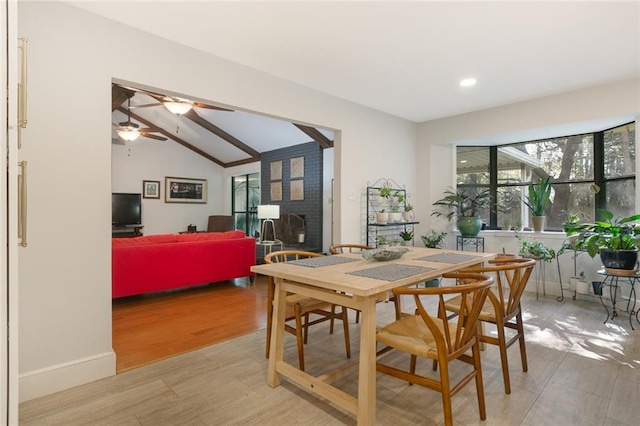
245	197
576	164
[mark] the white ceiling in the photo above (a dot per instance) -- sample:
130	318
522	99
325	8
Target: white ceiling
406	58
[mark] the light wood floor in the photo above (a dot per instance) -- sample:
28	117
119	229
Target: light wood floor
581	372
150	328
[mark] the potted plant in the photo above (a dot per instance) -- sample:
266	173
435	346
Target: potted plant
535	249
571	220
382	217
466	205
395	215
537	200
382	242
407	237
616	239
407	214
385	192
434	239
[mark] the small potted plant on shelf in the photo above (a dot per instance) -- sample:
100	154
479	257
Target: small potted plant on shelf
407	237
537	200
434	239
382	217
616	240
571	220
385	192
466	205
381	241
407	215
395	215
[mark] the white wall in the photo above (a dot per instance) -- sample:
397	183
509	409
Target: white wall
147	159
65	275
569	113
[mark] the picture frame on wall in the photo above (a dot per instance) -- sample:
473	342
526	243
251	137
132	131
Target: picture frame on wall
185	190
297	167
297	190
276	170
151	189
276	191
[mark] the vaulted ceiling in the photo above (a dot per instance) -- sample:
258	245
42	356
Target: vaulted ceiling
226	137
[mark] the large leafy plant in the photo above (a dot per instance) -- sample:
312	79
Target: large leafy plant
538	197
612	233
461	202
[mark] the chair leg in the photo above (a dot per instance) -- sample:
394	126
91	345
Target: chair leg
333	313
345	324
477	365
398	307
270	297
523	348
299	339
502	344
306	327
445	389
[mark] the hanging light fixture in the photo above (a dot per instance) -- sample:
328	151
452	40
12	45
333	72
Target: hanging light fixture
178	106
127	130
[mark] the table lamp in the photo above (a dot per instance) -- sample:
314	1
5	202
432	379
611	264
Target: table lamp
268	212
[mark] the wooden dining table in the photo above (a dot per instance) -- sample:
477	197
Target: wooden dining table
350	280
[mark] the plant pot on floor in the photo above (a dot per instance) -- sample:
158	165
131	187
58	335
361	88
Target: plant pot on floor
597	287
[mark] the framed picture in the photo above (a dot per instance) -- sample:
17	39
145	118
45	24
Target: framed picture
151	189
276	191
297	167
276	170
185	190
297	190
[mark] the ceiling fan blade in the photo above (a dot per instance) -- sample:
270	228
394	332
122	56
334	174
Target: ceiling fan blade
152	136
145	105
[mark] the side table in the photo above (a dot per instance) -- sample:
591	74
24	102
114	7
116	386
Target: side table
611	280
267	247
477	242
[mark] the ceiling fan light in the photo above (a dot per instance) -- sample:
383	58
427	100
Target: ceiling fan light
128	133
178	107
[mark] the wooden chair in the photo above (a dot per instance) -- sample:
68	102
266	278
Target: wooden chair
438	337
349	248
299	307
503	307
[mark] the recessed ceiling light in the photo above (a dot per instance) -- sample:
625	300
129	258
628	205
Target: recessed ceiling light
467	82
463	161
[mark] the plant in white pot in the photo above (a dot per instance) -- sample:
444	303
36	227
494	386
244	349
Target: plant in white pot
616	240
407	214
407	237
465	205
382	217
537	200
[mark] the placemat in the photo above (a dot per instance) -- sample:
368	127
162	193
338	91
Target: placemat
318	262
391	272
448	258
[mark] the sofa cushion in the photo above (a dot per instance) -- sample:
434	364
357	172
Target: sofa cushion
148	239
209	236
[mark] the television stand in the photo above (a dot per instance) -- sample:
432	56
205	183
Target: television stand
126	231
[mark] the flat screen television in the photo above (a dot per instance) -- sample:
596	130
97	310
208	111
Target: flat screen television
126	209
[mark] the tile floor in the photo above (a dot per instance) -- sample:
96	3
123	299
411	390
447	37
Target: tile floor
581	372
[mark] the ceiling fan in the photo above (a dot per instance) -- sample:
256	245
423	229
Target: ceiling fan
174	104
130	131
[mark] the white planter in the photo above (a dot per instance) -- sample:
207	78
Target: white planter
408	216
583	287
382	218
395	217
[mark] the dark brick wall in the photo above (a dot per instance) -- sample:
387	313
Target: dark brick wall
311	207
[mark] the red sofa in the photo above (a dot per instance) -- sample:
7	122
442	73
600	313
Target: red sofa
167	261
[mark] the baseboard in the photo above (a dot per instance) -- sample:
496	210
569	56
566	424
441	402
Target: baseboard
35	384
